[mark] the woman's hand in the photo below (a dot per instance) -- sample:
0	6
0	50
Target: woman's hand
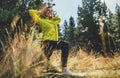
42	11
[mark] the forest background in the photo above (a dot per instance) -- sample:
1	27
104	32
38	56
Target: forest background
97	29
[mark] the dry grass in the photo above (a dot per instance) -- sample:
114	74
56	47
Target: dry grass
22	52
20	55
94	67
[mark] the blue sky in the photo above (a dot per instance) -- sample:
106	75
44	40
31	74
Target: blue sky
67	8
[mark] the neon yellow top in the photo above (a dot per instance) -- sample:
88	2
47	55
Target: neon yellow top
49	27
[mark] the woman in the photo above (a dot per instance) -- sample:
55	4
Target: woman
49	26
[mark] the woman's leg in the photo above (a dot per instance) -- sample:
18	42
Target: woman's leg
64	46
48	47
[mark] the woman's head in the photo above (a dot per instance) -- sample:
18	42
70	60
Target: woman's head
46	12
49	12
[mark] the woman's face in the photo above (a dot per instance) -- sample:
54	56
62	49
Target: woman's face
49	13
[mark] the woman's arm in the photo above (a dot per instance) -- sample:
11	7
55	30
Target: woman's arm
34	15
56	19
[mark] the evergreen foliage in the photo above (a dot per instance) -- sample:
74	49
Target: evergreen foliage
86	34
9	9
69	31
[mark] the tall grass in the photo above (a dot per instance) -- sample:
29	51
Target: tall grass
95	67
24	59
22	55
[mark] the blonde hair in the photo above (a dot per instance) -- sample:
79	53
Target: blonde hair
43	11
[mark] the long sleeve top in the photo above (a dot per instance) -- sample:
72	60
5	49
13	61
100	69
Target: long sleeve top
48	26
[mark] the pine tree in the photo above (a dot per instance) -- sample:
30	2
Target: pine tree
81	30
88	16
118	26
71	30
17	7
9	9
115	26
65	30
108	34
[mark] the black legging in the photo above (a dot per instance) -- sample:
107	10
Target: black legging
49	46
